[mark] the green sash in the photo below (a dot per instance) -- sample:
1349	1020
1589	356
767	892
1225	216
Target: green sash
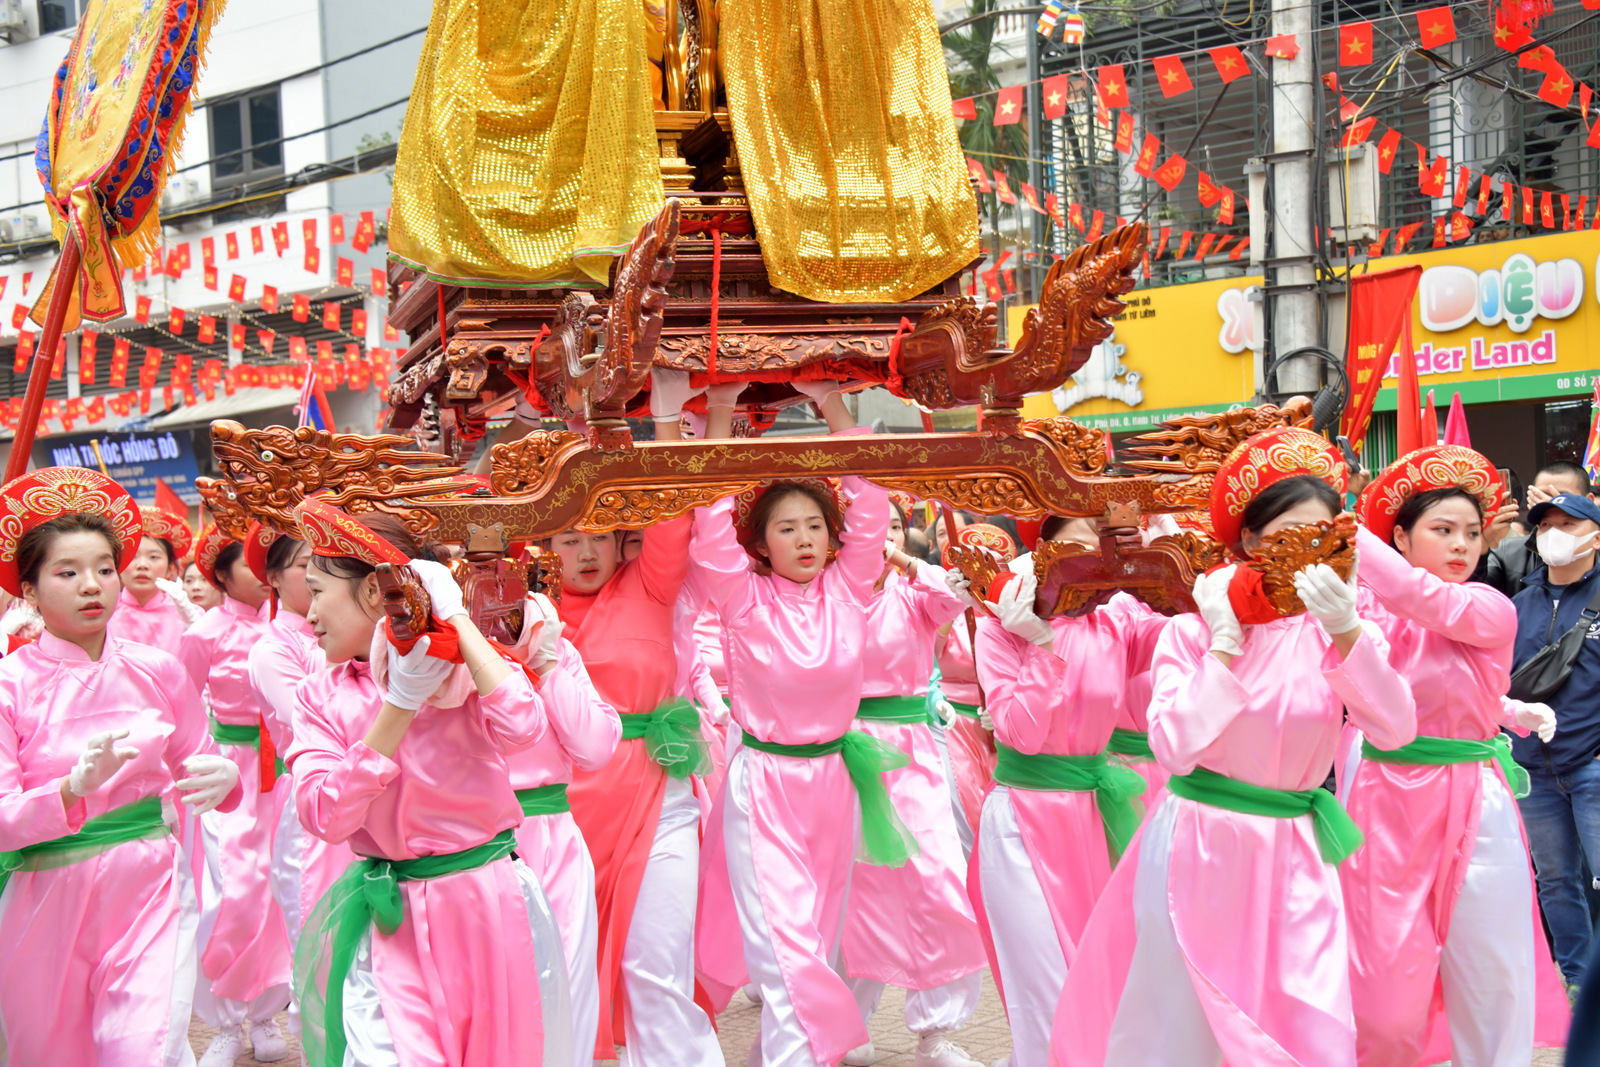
367	894
1337	834
885	839
227	733
1134	744
672	737
1440	751
968	711
138	821
1113	785
893	709
544	800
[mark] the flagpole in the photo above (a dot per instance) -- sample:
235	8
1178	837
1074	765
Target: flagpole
55	316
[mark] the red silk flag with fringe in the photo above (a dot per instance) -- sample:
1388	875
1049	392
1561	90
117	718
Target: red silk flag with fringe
113	130
1380	317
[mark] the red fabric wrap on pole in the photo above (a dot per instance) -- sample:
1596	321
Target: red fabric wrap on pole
43	356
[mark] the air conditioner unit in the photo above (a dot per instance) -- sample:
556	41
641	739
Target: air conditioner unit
13	26
179	191
19	227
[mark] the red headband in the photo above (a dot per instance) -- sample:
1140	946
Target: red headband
36	498
1434	467
1266	458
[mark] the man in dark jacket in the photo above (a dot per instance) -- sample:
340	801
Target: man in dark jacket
1562	809
1512	559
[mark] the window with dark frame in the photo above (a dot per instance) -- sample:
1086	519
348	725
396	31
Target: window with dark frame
245	133
57	15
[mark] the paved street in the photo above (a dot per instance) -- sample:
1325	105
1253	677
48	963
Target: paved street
986	1038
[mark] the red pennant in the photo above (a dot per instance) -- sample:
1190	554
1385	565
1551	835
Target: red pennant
1075	216
208	251
344	272
1463	181
1355	44
308	230
1002	188
1183	245
975	171
1527	206
1113	85
1388	148
302	308
330	316
336	229
236	336
1485	187
280	237
1225	209
141	310
380	280
208	276
1166	233
1030	197
1052	204
1583	211
1376	248
1054	91
297	348
1403	238
1593	140
236	288
965	108
231	242
1172	172
1209	192
1097	225
1283	46
1566	211
1171	75
175	319
1124	141
1547	211
208	330
1556	90
1146	163
1435	26
1440	231
1460	227
266	339
1431	179
1008	106
1206	241
1230	63
256	245
1359	131
313	261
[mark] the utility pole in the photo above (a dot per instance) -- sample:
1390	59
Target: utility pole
1036	147
1291	279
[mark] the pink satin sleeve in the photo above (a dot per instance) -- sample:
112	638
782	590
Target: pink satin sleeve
1509	706
274	674
191	733
866	526
29	816
664	558
1023	684
194	652
1469	612
1193	697
721	563
334	782
513	715
586	726
1377	699
932	597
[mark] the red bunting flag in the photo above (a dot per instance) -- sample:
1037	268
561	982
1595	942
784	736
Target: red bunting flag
336	229
86	352
330	316
1183	245
280	237
302	307
1075	216
1030	197
1097	225
1359	131
324	351
19	313
236	336
1388	148
1485	187
1527	206
1008	106
1225	210
1403	238
965	108
380	280
141	310
208	330
236	288
231	242
1566	211
19	363
1593	140
1556	90
1002	188
1355	44
364	231
1239	250
1171	75
1210	193
1440	231
269	299
266	339
1375	249
1435	26
1204	250
1124	141
308	230
297	348
1052	205
1054	91
1113	85
208	251
1547	211
1541	57
1583	211
119	362
1460	227
1172	172
1431	179
1230	63
1223	242
1161	246
975	171
344	271
313	262
209	276
256	245
1146	163
1283	46
175	319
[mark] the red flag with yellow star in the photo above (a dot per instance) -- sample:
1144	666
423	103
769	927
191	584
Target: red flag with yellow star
1435	26
1230	63
1008	106
1146	163
1557	87
1055	91
1355	44
1388	148
1113	85
1171	75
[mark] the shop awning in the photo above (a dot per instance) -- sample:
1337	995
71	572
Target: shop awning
242	402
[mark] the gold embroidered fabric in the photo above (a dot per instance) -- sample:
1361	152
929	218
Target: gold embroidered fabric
529	154
841	111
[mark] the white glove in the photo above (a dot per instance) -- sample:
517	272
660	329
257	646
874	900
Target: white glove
724	395
946	713
102	759
1328	597
415	676
819	390
986	720
211	779
19	615
1161	524
960	586
669	391
1211	597
548	652
190	611
1015	611
1540	718
441	586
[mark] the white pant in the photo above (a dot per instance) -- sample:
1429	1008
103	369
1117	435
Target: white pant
1033	967
665	1027
286	870
944	1007
213	1010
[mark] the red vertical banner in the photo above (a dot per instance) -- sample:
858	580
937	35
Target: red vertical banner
1380	314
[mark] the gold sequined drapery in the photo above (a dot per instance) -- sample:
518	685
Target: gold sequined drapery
841	111
529	155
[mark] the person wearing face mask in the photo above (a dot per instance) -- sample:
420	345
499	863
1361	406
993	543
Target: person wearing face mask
1221	937
150	611
1512	557
1431	896
437	945
1562	808
794	619
101	739
244	941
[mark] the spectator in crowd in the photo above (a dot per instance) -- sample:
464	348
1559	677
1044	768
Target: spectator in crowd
1513	557
1562	809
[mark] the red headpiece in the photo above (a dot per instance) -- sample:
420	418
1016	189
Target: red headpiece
170	528
334	533
986	536
208	545
38	497
1269	457
744	505
257	540
1028	532
1434	467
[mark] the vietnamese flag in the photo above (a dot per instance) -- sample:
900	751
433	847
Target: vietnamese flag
255	240
1204	250
1166	235
1388	148
336	229
380	280
1030	197
1002	188
1594	136
236	336
1146	163
1375	249
1430	179
1527	206
1097	225
1075	215
1355	44
1008	106
313	261
302	308
965	108
236	288
1435	26
1485	187
1283	46
269	299
208	330
1403	238
1230	63
86	357
1054	91
175	319
975	171
1172	172
1124	142
266	339
231	241
1171	75
1052	205
1556	90
1113	85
